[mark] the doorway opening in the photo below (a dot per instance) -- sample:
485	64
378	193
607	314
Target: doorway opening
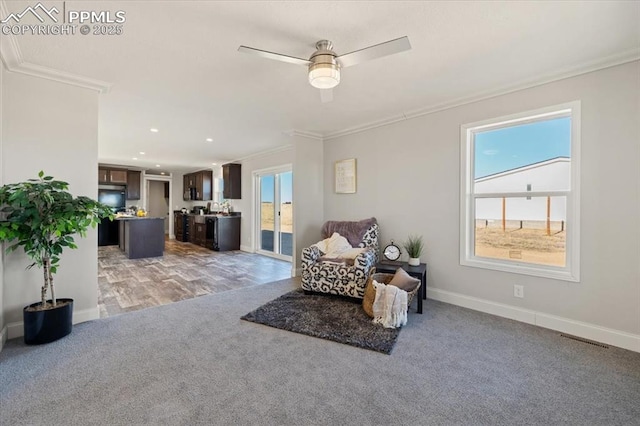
274	212
157	200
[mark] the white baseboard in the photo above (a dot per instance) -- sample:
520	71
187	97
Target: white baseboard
3	337
86	315
248	249
585	330
16	329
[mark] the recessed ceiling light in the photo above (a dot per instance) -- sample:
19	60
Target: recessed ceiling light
135	158
154	130
215	164
141	153
157	165
209	140
161	173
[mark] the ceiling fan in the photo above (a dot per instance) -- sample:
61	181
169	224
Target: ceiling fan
324	65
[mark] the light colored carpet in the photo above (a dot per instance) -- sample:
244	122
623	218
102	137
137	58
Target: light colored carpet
196	362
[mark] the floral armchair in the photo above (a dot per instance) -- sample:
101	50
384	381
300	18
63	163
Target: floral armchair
342	278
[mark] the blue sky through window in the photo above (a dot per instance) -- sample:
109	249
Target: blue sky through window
521	145
286	188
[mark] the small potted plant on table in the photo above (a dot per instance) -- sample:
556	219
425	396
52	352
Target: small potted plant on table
414	246
42	217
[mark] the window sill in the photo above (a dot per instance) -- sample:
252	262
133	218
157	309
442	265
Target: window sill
551	272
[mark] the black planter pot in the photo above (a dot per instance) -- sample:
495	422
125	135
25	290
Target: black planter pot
48	325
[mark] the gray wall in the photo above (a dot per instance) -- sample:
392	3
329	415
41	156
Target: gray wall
409	175
53	127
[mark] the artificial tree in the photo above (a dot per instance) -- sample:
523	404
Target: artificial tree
41	216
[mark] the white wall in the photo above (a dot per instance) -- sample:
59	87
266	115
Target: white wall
177	189
409	174
53	127
308	188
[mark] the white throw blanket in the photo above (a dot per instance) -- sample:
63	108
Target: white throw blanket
389	306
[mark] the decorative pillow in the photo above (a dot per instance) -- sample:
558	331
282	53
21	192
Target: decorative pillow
353	231
403	280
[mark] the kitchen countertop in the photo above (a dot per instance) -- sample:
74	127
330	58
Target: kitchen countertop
136	217
232	214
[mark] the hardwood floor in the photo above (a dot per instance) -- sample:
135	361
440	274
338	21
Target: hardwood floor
184	272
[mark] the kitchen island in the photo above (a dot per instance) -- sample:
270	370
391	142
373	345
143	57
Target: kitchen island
141	236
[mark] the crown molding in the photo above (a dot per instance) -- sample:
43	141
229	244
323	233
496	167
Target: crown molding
585	68
264	153
40	71
304	134
13	61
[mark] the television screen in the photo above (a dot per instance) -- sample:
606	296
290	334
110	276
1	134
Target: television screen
112	198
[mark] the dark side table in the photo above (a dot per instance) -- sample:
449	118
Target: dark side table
419	272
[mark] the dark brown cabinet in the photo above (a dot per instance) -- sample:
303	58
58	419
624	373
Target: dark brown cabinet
190	225
225	234
198	186
133	185
118	176
103	175
185	188
179	226
232	177
107	175
200	234
220	233
197	230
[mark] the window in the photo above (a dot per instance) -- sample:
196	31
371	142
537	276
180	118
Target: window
520	193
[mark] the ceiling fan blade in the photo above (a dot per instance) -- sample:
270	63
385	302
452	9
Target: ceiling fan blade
276	56
374	52
326	95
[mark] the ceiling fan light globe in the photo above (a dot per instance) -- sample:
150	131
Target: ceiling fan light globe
324	76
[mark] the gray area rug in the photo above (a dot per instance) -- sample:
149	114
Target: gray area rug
327	317
196	362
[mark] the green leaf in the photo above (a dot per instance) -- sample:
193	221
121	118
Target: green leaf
42	217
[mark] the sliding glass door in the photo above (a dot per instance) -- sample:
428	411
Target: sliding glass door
275	213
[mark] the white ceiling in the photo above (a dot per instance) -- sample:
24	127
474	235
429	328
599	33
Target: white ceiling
176	66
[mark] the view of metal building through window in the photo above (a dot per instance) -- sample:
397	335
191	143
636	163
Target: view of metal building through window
522	176
276	213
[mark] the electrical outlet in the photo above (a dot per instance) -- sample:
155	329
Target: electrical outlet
518	291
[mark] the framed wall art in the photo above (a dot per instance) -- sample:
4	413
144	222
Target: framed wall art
345	176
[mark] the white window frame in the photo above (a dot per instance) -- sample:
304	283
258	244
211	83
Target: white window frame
571	270
256	239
